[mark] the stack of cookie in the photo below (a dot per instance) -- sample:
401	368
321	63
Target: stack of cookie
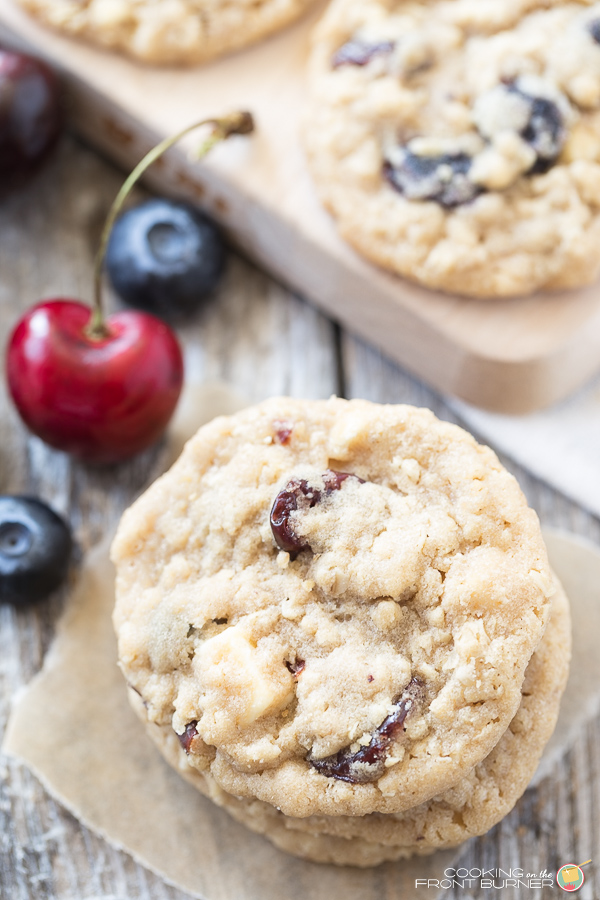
458	143
338	621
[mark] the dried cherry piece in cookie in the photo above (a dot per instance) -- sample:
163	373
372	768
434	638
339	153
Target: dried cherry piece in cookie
368	763
443	178
299	495
545	131
188	735
594	29
359	53
283	431
296	495
528	106
334	480
297	667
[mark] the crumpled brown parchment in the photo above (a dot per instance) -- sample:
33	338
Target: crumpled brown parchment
75	730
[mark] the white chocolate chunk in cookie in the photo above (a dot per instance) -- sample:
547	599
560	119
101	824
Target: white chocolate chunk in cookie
229	662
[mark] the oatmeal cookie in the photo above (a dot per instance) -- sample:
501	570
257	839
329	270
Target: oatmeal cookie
178	32
457	142
483	797
332	603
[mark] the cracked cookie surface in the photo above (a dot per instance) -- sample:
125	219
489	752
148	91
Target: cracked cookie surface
178	32
457	143
484	796
375	668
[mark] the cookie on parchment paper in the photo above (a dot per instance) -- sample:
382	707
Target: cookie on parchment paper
366	650
484	796
177	32
457	143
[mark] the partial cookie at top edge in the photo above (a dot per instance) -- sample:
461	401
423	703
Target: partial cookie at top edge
424	592
458	144
174	32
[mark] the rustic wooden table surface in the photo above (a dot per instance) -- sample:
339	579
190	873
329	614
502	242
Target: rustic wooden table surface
262	340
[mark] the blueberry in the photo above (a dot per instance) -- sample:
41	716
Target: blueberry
443	178
165	257
35	550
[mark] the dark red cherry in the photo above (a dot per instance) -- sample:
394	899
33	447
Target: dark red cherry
30	115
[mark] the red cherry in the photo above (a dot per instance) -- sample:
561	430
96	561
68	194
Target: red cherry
103	400
102	389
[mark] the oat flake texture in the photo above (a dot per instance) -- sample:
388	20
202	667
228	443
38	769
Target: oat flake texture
483	796
457	142
425	577
179	32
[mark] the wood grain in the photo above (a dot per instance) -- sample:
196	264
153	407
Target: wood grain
264	340
508	355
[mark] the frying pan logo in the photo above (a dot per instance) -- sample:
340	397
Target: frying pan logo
570	877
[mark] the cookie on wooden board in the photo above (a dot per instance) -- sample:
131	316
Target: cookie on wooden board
457	143
332	603
177	32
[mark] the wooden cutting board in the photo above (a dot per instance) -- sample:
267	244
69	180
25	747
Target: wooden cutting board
511	356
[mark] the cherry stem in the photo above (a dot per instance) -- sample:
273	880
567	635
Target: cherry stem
235	123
